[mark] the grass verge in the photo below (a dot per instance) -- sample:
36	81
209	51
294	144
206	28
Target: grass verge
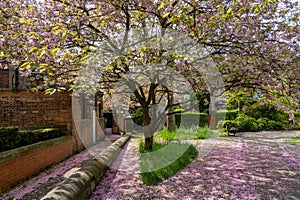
293	140
164	160
193	133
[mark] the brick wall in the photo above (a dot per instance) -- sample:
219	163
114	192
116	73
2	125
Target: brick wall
19	164
4	78
35	109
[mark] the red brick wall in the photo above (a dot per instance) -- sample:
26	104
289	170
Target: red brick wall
20	168
35	109
4	78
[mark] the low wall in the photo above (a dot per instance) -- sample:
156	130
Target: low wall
82	183
19	164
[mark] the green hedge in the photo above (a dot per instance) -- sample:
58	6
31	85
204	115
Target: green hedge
11	138
190	119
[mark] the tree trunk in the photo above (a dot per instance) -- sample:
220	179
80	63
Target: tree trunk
171	125
147	130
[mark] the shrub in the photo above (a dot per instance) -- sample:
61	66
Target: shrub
274	125
12	138
226	124
202	133
9	138
227	115
263	123
246	123
267	111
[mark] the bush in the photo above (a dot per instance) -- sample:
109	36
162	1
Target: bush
246	123
263	123
11	138
226	124
273	125
267	111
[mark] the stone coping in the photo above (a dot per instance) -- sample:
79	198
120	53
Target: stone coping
83	182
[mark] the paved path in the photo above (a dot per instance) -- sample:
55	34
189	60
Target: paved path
250	166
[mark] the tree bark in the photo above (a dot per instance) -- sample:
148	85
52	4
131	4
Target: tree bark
147	130
171	125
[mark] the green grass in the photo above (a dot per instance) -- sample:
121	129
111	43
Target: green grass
164	160
193	133
294	140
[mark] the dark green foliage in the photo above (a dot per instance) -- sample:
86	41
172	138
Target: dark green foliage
137	116
226	124
171	158
231	115
246	123
267	111
227	115
12	138
263	123
274	125
267	124
34	136
9	138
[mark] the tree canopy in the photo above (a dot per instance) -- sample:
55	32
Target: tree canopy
254	43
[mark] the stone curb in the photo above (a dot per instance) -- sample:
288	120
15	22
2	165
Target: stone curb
82	183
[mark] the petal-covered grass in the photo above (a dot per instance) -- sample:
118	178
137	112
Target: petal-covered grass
164	161
294	140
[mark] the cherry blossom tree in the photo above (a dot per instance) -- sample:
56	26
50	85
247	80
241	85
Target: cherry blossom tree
254	43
